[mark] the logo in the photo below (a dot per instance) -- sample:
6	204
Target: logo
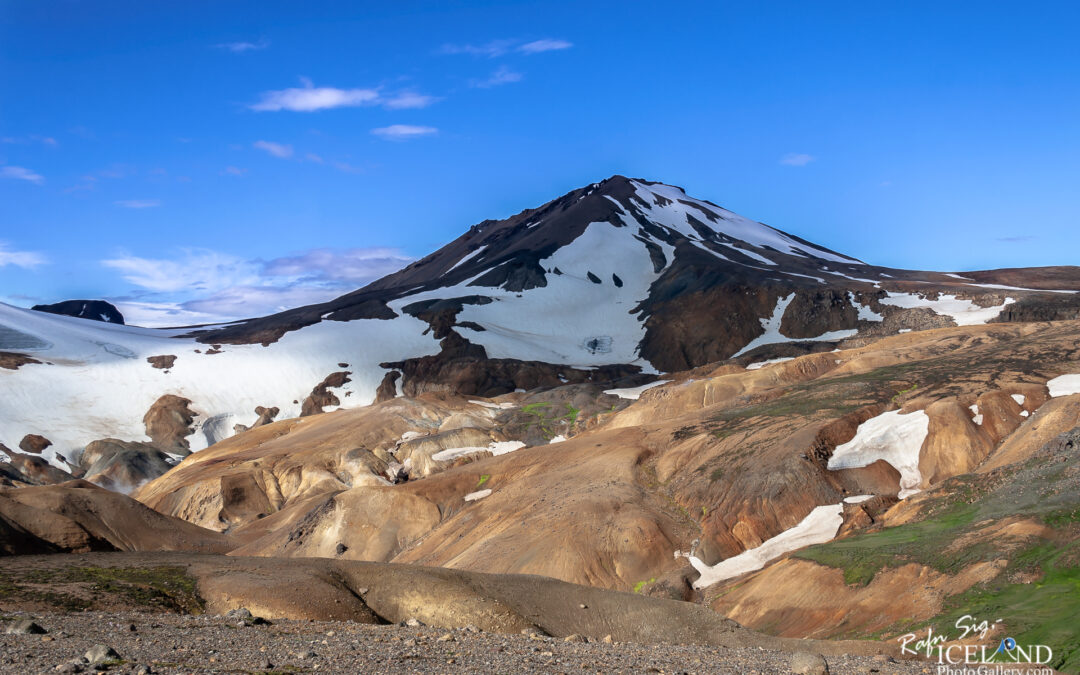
977	656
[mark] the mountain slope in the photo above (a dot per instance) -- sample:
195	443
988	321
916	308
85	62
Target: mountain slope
611	282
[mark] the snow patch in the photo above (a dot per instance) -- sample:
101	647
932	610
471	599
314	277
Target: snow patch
1065	385
493	406
1019	398
761	364
890	436
865	311
963	312
467	257
978	418
673	215
857	499
772	334
495	448
818	527
479	494
634	393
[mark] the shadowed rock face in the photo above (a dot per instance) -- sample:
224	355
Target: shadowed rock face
122	465
95	310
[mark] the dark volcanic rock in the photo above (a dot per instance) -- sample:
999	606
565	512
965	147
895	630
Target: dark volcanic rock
34	444
266	416
13	361
168	424
388	387
680	336
321	396
95	310
164	362
814	312
1049	307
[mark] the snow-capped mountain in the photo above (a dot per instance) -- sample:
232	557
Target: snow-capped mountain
618	279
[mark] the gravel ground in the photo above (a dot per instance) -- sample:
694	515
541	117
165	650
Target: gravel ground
167	643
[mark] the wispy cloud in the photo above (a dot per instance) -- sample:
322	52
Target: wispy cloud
796	159
21	173
200	286
1016	239
24	259
234	171
138	203
241	47
353	265
500	77
409	99
497	48
538	46
310	98
399	132
33	138
276	149
490	49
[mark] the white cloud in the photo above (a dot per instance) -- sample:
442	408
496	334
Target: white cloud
310	98
24	259
33	138
275	149
399	132
501	76
352	265
21	173
312	157
409	99
198	270
501	47
491	49
139	203
539	46
796	159
235	171
241	47
204	286
345	167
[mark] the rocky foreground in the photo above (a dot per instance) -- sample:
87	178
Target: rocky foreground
138	642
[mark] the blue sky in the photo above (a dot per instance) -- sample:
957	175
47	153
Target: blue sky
201	160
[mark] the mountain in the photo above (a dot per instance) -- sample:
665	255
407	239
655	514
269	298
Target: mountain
615	282
95	310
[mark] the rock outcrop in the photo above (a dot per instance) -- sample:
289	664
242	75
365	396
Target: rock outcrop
95	310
